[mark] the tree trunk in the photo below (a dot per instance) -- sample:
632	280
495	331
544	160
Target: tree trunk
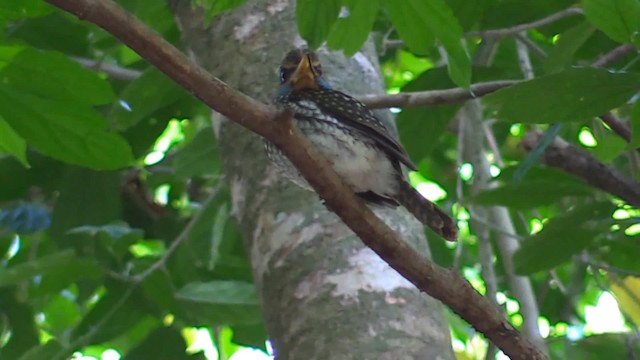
324	294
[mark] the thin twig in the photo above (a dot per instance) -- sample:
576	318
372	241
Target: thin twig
184	234
434	97
114	71
504	32
84	339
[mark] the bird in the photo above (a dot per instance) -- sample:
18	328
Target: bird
356	143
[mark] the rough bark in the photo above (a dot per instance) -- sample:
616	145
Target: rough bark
324	294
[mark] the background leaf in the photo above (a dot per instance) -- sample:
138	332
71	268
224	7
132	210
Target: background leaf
579	94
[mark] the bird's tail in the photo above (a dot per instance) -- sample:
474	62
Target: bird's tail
427	212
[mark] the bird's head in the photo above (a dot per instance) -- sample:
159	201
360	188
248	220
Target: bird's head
299	70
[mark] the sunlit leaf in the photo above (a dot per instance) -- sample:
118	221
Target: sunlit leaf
562	237
549	186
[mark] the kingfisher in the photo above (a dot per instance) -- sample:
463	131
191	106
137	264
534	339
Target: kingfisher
356	143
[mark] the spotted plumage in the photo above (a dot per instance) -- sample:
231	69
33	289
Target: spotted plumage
356	143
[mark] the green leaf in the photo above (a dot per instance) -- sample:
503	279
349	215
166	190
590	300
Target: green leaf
13	144
53	76
64	262
561	55
315	19
411	27
619	19
61	312
351	31
549	186
440	20
220	302
57	31
219	292
152	91
67	131
570	95
562	237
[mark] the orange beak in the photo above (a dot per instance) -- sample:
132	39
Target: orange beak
304	77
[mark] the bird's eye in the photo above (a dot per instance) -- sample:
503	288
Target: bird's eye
285	74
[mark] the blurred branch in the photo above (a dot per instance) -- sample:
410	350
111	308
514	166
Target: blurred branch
184	234
580	163
504	32
434	97
523	58
86	338
617	126
277	127
531	45
471	115
611	120
113	71
613	55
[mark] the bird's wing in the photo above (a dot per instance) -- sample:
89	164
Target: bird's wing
356	115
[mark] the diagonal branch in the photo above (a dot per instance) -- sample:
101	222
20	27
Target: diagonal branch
580	163
514	30
445	285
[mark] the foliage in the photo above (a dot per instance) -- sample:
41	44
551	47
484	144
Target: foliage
115	227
